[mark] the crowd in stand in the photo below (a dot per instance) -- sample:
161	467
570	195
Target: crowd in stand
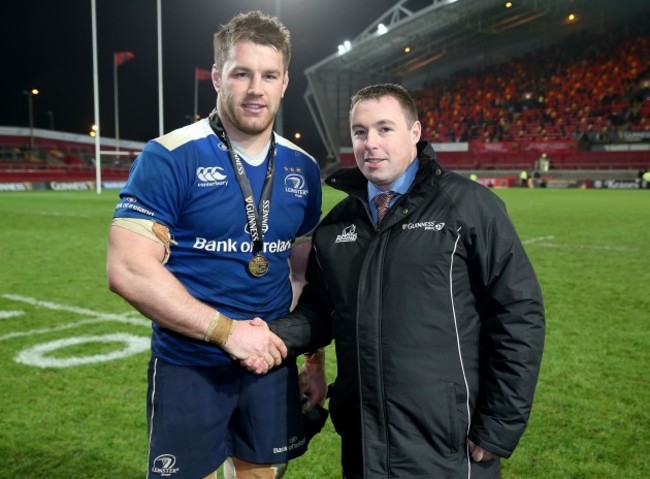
590	84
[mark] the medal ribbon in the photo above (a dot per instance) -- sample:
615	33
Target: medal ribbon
253	214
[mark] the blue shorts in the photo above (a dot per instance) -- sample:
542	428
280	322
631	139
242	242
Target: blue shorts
198	416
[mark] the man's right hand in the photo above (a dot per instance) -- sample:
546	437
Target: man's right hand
254	342
313	382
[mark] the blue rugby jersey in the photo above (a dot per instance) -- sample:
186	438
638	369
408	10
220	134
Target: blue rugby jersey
185	180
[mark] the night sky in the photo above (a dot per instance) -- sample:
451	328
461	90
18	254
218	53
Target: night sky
48	45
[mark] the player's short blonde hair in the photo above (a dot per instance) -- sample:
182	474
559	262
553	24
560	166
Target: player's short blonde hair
255	27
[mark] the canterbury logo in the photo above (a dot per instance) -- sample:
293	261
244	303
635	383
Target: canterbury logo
212	173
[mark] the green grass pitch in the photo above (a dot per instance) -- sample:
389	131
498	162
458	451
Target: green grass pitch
74	356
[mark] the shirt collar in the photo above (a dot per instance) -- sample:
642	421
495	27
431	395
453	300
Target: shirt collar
401	185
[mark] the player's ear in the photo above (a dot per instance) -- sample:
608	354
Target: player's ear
285	83
216	77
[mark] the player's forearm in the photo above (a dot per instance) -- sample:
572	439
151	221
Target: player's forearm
136	273
159	296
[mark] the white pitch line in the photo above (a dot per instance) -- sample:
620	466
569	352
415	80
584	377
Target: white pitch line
543	241
63	327
120	318
10	314
586	247
540	238
70	215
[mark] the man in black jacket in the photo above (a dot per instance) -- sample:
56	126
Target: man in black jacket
422	282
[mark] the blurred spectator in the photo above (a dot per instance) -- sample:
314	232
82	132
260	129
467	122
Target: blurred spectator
645	179
544	163
589	83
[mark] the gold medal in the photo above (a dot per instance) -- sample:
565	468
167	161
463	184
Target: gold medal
258	266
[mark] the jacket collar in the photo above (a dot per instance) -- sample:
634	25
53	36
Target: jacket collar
352	181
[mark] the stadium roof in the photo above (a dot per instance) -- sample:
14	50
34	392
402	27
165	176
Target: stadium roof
445	36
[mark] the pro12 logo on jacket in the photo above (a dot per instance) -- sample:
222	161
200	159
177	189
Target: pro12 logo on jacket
349	235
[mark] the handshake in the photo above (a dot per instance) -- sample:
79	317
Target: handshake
259	350
256	347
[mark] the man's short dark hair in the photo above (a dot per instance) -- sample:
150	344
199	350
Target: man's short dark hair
380	90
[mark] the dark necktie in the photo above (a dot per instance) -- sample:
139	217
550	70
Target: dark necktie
382	202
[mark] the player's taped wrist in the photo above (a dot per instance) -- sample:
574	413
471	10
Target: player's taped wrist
219	329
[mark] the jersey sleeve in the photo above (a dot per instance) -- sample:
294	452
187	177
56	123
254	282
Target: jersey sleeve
155	188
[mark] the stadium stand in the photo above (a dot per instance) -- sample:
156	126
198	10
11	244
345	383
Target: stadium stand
60	157
589	89
589	83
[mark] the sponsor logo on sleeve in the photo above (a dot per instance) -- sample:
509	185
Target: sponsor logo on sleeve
130	203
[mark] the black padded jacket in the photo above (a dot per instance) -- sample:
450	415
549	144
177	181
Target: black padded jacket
438	324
